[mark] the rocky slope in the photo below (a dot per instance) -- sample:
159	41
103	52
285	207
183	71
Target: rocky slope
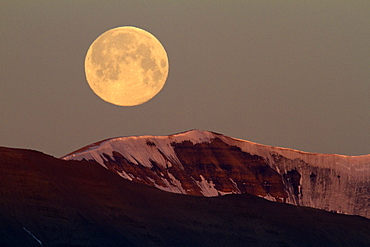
46	201
210	164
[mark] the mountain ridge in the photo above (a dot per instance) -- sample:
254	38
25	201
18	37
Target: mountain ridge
96	144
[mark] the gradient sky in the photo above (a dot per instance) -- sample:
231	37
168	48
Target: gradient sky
292	74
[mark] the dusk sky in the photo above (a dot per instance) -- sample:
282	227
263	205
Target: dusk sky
293	74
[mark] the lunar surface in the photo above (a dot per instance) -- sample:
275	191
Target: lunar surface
126	66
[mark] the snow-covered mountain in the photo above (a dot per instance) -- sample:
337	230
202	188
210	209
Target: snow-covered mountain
209	164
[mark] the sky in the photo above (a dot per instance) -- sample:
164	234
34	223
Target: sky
292	74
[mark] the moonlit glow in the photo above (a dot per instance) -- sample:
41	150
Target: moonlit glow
126	66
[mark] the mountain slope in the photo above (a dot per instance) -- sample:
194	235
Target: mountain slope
77	203
210	164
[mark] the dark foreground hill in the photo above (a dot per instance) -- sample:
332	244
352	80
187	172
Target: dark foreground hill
53	202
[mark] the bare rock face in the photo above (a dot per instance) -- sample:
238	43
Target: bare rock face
209	164
226	169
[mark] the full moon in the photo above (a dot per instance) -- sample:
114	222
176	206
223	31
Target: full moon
126	66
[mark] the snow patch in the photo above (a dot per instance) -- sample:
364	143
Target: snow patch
269	197
235	186
174	185
125	175
207	187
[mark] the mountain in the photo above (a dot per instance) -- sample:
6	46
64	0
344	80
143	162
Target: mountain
205	163
45	201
